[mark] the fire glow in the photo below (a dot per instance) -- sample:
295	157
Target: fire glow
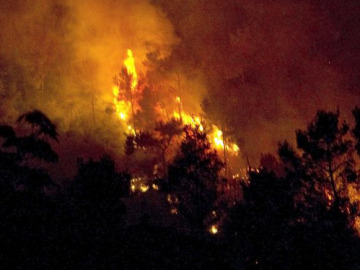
124	110
123	106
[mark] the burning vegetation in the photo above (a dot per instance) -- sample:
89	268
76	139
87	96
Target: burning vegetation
158	134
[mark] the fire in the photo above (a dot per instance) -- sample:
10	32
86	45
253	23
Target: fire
144	188
187	119
216	137
213	229
129	63
124	110
124	107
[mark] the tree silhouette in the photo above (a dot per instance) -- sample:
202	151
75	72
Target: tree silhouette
41	124
17	151
166	133
224	119
193	178
96	194
356	130
258	228
270	229
145	118
328	155
155	144
302	218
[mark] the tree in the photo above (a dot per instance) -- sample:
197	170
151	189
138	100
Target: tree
166	131
269	229
96	196
258	227
303	217
222	119
356	130
17	152
145	118
129	91
193	178
155	143
328	155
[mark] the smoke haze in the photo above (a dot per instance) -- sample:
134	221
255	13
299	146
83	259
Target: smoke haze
265	67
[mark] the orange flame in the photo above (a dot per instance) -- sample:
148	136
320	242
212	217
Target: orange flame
129	63
123	107
216	137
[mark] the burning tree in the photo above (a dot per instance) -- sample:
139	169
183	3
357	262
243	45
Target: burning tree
126	91
155	145
194	179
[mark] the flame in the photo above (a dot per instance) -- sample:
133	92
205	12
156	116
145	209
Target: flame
216	137
123	110
123	107
129	63
187	119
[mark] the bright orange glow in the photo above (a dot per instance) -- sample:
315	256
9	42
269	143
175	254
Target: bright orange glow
216	137
189	119
144	188
129	63
213	229
123	107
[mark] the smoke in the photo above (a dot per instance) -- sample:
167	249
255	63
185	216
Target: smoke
268	66
61	57
264	66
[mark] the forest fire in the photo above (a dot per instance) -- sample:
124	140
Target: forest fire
157	134
124	103
123	99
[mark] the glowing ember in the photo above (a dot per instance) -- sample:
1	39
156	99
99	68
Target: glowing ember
213	229
138	184
144	188
174	211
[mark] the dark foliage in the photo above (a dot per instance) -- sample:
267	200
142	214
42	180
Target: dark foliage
95	197
40	123
290	216
154	145
303	219
269	231
193	178
356	130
